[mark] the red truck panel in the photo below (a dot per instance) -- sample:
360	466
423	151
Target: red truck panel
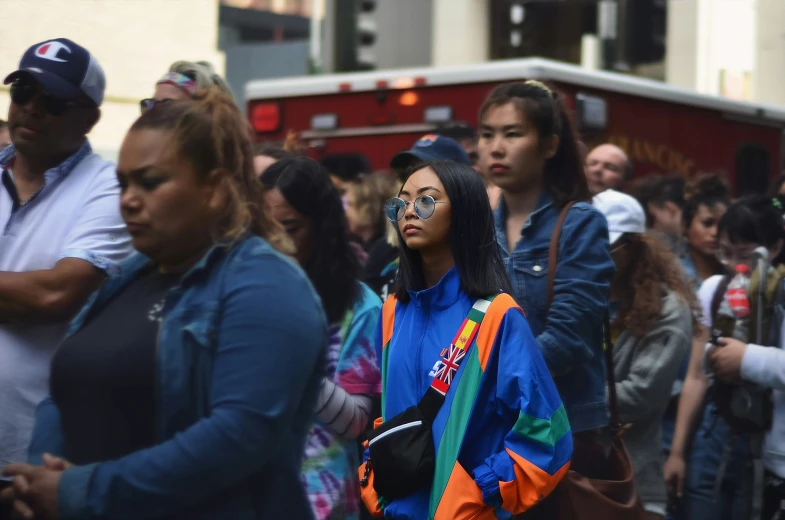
659	136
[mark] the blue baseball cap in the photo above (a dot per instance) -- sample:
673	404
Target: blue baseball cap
428	148
64	70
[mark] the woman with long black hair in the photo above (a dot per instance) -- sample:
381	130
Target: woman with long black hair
305	201
481	412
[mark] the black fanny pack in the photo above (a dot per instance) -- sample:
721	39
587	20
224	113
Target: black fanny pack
402	453
403	457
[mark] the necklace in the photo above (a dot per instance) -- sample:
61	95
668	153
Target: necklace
21	202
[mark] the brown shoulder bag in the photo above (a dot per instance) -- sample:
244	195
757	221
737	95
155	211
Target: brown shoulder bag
613	496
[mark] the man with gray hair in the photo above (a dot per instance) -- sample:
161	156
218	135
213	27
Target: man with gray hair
607	168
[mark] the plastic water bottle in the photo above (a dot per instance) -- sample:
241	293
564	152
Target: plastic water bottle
738	293
732	320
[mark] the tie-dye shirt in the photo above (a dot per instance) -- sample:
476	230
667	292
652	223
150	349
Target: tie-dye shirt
330	462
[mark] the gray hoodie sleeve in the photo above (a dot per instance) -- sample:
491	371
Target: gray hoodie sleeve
646	367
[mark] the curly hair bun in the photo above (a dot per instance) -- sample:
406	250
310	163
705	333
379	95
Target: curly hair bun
708	186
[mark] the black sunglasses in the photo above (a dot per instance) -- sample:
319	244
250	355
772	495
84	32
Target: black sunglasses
23	91
149	103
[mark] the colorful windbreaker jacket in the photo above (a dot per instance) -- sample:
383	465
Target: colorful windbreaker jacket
502	437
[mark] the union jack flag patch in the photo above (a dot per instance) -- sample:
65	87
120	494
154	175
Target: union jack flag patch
449	366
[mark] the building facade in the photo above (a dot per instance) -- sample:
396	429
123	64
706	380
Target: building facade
731	48
134	41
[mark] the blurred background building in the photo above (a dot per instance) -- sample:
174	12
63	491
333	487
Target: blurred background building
733	48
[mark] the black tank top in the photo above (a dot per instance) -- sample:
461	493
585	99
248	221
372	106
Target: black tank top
103	378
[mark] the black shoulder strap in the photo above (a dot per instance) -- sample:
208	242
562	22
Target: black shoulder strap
613	402
719	294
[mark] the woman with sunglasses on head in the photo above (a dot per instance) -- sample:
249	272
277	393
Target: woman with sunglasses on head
694	471
186	386
466	394
183	81
528	148
304	200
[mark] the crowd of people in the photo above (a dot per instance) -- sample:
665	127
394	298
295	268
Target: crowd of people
217	329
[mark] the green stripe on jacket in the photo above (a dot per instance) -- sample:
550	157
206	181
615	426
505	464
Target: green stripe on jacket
544	431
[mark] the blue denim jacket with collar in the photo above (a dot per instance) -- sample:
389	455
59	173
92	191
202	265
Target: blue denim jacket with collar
239	365
570	333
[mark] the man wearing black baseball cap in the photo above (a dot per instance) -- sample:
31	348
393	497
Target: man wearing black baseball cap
428	148
60	221
55	96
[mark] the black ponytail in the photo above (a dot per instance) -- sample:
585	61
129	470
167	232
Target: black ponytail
544	108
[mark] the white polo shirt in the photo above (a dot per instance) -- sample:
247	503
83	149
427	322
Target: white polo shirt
75	215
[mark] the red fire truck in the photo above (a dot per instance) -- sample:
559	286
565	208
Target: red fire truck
663	128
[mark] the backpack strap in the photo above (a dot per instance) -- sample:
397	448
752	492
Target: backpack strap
388	320
553	251
388	324
777	312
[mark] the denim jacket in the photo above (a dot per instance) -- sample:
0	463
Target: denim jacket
239	360
570	333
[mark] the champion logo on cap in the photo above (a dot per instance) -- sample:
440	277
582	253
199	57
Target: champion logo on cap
64	69
50	50
427	140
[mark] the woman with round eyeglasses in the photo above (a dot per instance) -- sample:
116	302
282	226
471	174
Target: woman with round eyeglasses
483	398
424	206
184	80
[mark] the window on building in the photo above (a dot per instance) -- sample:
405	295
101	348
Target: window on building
521	28
753	166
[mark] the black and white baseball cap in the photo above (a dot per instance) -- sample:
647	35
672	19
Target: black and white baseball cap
64	69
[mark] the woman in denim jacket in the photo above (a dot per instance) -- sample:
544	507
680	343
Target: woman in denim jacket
186	386
528	148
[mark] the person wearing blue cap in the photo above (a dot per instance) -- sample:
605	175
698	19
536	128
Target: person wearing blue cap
435	146
382	263
62	230
428	148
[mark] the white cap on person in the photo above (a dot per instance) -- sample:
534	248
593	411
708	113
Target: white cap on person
623	213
